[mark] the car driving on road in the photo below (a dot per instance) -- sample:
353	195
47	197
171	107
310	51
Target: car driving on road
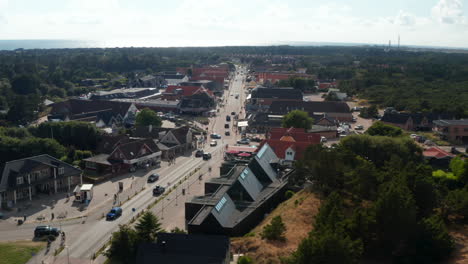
244	141
114	213
158	190
215	136
199	153
153	177
206	156
46	230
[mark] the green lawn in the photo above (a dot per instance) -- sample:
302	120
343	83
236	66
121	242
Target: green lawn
18	252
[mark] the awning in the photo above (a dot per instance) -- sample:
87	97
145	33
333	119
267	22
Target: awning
86	187
243	123
244	155
232	152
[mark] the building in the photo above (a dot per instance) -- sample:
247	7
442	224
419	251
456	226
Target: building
452	130
157	105
173	248
171	141
177	92
275	77
237	201
132	93
290	144
410	121
437	157
24	179
102	113
172	79
122	155
336	111
261	98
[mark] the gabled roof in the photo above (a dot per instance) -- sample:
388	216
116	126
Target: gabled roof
108	143
77	108
280	93
15	167
284	107
149	131
131	150
181	134
298	135
402	118
435	152
187	90
460	122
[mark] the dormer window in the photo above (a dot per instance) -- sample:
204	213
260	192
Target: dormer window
19	180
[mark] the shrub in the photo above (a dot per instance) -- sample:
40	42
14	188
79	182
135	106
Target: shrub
288	194
275	230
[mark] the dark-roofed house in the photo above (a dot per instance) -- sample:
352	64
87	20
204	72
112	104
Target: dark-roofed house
412	122
173	248
239	199
171	141
123	155
103	113
261	98
173	79
25	178
338	111
453	130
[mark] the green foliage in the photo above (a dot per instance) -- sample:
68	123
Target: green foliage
275	230
433	241
177	230
147	227
123	245
369	112
23	109
331	96
364	179
148	117
25	84
456	202
14	132
245	260
298	119
443	174
395	212
298	83
457	166
288	194
81	135
381	129
15	148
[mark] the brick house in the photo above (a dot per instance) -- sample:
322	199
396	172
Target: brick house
25	178
452	130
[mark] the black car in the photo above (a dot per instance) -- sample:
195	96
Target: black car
41	231
199	153
228	118
226	125
158	190
227	133
153	177
206	156
233	113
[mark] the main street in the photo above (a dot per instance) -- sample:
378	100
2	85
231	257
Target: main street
85	239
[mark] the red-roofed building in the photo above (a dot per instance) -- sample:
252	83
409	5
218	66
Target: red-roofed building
290	144
175	92
437	156
274	77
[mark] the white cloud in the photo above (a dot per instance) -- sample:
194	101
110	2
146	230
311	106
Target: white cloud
404	19
449	12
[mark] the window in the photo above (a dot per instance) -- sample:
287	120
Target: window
244	174
19	180
220	204
61	170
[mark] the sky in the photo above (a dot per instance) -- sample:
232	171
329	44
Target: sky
237	22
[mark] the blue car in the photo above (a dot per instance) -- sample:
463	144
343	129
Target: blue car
114	213
215	136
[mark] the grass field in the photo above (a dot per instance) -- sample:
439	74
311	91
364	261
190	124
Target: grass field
18	252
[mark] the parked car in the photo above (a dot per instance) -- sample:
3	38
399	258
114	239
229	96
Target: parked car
213	143
114	213
226	125
158	190
206	156
46	230
215	136
256	139
228	118
323	139
354	119
153	177
199	153
227	133
233	113
359	127
244	141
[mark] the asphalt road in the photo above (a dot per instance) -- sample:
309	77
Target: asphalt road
93	234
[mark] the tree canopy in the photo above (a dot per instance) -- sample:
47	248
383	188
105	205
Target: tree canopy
148	117
298	119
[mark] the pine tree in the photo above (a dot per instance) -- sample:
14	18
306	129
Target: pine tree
275	230
148	227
